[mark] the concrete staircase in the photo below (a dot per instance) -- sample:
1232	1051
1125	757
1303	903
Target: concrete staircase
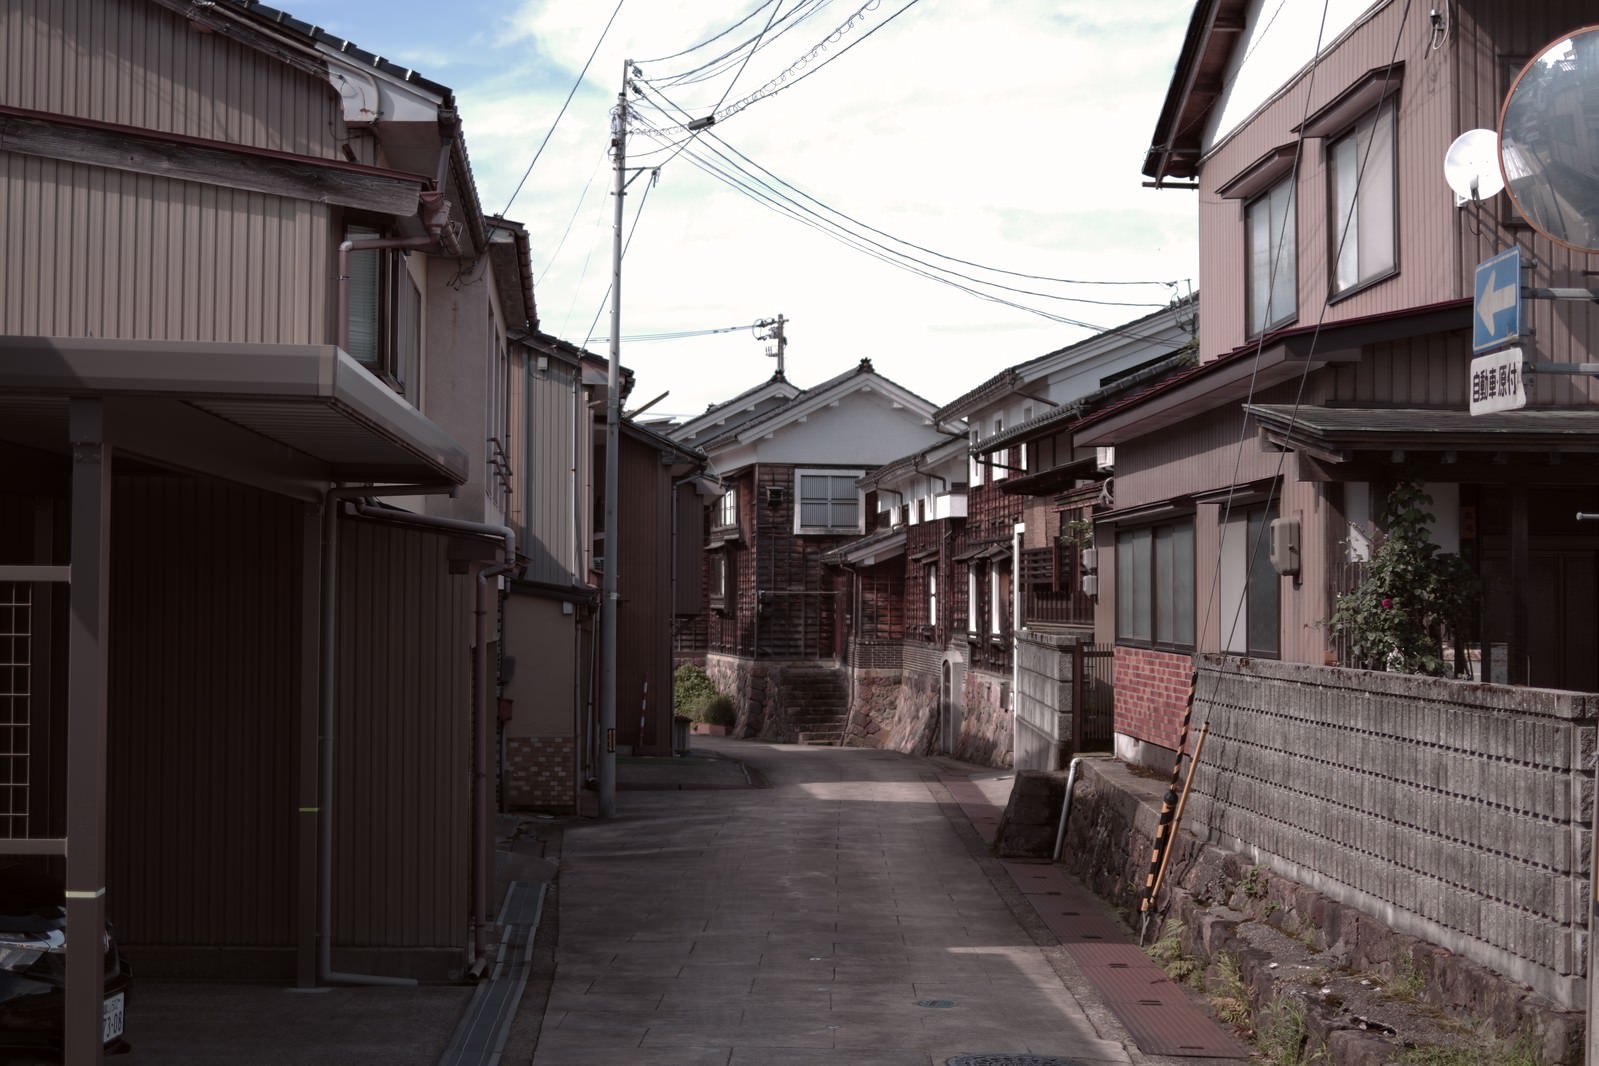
816	701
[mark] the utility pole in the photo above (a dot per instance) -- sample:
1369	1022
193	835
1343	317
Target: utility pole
613	435
774	329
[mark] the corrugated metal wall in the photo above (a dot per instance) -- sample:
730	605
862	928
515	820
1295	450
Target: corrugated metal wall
135	63
203	719
205	726
555	462
643	636
107	253
403	741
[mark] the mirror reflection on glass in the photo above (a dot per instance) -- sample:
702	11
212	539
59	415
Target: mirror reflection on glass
1549	141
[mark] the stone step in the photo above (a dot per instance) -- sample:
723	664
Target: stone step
827	738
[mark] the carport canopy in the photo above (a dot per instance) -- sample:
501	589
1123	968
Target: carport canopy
288	419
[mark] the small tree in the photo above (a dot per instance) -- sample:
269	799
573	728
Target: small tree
1410	595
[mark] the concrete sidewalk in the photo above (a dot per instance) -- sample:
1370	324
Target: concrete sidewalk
847	913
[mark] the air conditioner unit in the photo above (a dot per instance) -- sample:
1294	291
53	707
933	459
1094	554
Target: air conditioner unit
1091	584
1090	558
1104	459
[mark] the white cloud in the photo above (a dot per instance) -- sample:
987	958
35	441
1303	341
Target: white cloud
1010	134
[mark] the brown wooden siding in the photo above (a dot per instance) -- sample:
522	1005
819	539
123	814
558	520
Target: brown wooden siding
135	63
106	253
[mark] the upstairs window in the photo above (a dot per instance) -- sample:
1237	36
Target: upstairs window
1272	282
1365	220
385	314
829	501
930	583
725	514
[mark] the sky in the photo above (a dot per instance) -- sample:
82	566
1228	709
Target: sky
999	140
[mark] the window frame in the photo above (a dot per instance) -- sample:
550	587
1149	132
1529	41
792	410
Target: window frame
1289	241
1352	136
1177	633
724	512
385	282
720	581
833	475
1248	576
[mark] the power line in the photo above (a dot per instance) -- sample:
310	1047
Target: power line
882	233
712	40
562	112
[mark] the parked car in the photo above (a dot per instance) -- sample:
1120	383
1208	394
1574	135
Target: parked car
33	971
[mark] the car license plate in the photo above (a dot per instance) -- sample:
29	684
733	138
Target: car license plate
111	1019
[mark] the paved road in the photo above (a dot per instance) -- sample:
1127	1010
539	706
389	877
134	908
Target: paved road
846	914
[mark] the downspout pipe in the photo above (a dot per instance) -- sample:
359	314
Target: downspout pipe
483	718
1066	808
1015	637
328	672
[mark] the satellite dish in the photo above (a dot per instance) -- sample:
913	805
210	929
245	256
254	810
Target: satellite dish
1545	141
1471	166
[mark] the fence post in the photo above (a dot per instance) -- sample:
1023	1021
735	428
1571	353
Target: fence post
1079	696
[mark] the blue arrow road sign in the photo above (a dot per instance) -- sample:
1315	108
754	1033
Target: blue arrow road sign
1496	308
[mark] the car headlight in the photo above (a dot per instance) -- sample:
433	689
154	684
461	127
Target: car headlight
18	951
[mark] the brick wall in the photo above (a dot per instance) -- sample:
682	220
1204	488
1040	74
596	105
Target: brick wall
1457	811
539	774
1151	692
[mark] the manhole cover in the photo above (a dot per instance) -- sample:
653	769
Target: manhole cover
1011	1060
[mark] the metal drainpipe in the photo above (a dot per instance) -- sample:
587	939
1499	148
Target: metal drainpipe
326	718
477	951
345	248
1015	635
1066	807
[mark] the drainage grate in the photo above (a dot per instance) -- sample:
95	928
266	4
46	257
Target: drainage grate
941	1004
1011	1060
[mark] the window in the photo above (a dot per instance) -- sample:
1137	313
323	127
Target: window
1155	586
721	581
1251	590
931	584
725	514
972	602
385	313
1269	235
996	600
829	501
1361	164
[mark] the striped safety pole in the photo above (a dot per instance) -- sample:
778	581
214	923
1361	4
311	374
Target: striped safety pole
1168	808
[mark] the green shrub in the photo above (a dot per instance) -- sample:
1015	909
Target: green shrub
719	710
691	691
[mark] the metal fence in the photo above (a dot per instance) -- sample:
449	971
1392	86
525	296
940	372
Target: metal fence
1093	697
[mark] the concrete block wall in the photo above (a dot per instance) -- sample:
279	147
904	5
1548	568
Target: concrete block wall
1043	699
1456	812
540	774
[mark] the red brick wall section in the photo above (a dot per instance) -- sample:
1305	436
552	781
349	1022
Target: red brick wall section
1151	691
539	773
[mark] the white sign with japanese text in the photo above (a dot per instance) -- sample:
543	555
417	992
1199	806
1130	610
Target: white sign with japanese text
1496	382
